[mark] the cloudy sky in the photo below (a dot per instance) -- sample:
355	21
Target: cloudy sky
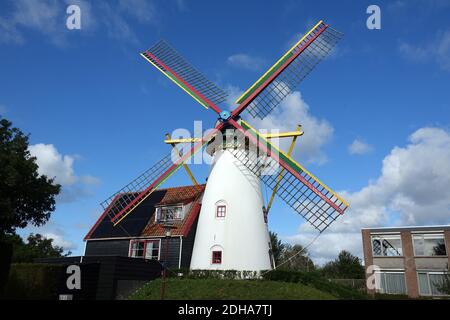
375	113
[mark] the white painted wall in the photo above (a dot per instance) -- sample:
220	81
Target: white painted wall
242	235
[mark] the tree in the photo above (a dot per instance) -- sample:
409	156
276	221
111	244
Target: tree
37	246
296	258
346	266
444	287
277	247
25	196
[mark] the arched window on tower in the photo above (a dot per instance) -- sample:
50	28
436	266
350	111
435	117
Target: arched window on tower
221	209
216	254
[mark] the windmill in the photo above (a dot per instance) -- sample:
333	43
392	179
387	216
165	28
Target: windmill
232	231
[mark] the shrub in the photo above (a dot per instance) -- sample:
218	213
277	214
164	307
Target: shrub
5	263
315	280
32	281
214	274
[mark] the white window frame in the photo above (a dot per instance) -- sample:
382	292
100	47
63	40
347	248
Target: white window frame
386	237
217	248
220	203
158	213
429	283
224	211
382	273
132	241
428	236
131	250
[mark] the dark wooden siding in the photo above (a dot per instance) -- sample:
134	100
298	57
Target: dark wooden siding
188	246
121	248
107	248
101	274
173	251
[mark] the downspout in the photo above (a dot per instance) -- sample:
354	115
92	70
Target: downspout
181	249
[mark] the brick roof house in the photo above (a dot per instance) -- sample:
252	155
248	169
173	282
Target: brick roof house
141	234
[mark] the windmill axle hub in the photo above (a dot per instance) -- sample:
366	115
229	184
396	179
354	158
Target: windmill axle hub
224	115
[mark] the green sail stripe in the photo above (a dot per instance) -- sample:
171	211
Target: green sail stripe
263	79
181	84
294	165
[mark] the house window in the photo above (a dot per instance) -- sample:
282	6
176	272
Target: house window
137	249
390	282
217	257
430	283
429	245
148	249
387	246
152	250
221	211
169	213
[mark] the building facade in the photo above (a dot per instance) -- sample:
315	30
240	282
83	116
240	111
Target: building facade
413	261
142	234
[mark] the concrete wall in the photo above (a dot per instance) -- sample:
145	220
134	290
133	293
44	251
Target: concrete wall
408	262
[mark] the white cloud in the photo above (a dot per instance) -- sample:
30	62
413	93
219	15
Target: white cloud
233	94
413	189
60	241
143	10
413	53
114	18
437	51
245	61
43	16
55	165
359	147
328	245
48	17
52	164
9	32
291	112
90	180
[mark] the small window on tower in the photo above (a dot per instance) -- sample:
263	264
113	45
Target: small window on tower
217	257
221	211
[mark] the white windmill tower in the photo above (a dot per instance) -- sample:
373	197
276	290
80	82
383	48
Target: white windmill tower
232	229
232	232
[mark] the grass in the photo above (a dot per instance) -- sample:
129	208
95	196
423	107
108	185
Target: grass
223	289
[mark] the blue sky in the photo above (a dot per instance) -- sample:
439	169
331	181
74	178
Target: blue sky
377	109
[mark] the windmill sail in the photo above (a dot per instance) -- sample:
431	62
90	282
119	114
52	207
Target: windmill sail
287	73
140	188
302	191
121	200
177	69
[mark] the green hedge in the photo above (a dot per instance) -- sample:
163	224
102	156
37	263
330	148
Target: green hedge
315	280
213	274
31	281
6	250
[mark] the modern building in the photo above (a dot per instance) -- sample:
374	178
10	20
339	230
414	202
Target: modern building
406	260
143	233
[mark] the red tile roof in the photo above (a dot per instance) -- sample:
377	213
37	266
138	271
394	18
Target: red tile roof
183	195
176	195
